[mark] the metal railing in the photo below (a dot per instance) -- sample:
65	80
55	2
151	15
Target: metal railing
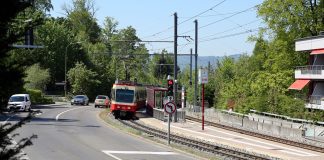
316	100
161	115
311	69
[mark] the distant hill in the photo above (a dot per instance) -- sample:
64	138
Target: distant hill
184	61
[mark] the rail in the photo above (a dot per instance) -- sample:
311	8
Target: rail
263	136
316	100
220	150
311	69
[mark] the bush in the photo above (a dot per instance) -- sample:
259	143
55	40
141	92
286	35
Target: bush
37	97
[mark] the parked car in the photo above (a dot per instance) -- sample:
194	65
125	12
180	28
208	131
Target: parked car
102	101
20	102
80	99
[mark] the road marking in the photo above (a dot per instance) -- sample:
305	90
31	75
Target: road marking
58	116
4	122
21	153
301	153
110	153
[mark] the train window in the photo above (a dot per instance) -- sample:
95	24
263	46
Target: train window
124	95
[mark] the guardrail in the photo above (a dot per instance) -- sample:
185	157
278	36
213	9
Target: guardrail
311	69
161	115
316	100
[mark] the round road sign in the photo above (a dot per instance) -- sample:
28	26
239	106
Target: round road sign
169	107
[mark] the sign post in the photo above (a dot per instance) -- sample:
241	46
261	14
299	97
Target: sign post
203	78
169	108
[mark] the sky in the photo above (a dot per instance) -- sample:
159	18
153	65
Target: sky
223	25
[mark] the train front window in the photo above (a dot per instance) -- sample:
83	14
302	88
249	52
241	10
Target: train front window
124	95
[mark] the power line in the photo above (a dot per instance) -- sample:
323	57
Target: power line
186	20
231	29
230	35
203	12
220	20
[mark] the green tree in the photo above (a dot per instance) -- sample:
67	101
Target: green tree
36	78
82	80
132	56
13	25
82	21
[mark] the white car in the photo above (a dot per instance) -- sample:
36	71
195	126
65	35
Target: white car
20	102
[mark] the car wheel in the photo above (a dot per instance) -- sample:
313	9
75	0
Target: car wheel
29	109
96	106
72	104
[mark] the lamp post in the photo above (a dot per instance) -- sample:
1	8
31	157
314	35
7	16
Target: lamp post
65	61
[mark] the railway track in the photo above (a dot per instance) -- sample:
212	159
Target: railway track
219	150
263	136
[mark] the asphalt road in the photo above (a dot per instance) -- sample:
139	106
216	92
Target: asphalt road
77	133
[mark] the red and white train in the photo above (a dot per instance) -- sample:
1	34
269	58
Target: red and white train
126	98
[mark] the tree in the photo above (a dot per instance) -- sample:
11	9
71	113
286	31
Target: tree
13	17
82	80
81	20
37	78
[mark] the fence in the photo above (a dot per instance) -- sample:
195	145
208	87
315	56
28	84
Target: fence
248	122
161	115
311	69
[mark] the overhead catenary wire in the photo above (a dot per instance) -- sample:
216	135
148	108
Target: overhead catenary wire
220	20
231	29
199	14
231	35
217	21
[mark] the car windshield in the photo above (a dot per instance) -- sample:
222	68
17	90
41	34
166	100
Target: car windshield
124	95
17	99
79	97
101	97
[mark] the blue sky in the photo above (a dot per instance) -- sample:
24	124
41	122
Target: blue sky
153	20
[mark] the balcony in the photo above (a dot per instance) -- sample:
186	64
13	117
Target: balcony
310	72
316	102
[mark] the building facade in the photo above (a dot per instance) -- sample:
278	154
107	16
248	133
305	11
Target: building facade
312	74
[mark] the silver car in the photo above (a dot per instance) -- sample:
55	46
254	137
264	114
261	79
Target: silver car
80	99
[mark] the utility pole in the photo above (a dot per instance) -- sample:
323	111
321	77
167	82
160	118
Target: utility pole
208	67
190	78
196	65
175	63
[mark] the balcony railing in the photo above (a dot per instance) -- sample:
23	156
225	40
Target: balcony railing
311	69
316	100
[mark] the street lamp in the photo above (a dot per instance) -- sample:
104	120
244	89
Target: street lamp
65	61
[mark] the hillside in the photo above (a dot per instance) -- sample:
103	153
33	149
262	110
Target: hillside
203	61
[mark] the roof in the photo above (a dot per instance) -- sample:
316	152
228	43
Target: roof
20	95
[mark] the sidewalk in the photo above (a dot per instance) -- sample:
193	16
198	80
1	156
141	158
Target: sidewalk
232	139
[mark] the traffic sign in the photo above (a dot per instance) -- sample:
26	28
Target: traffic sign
203	76
170	107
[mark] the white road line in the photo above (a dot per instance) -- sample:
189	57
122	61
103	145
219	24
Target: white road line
4	122
14	143
110	153
58	116
261	146
141	152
